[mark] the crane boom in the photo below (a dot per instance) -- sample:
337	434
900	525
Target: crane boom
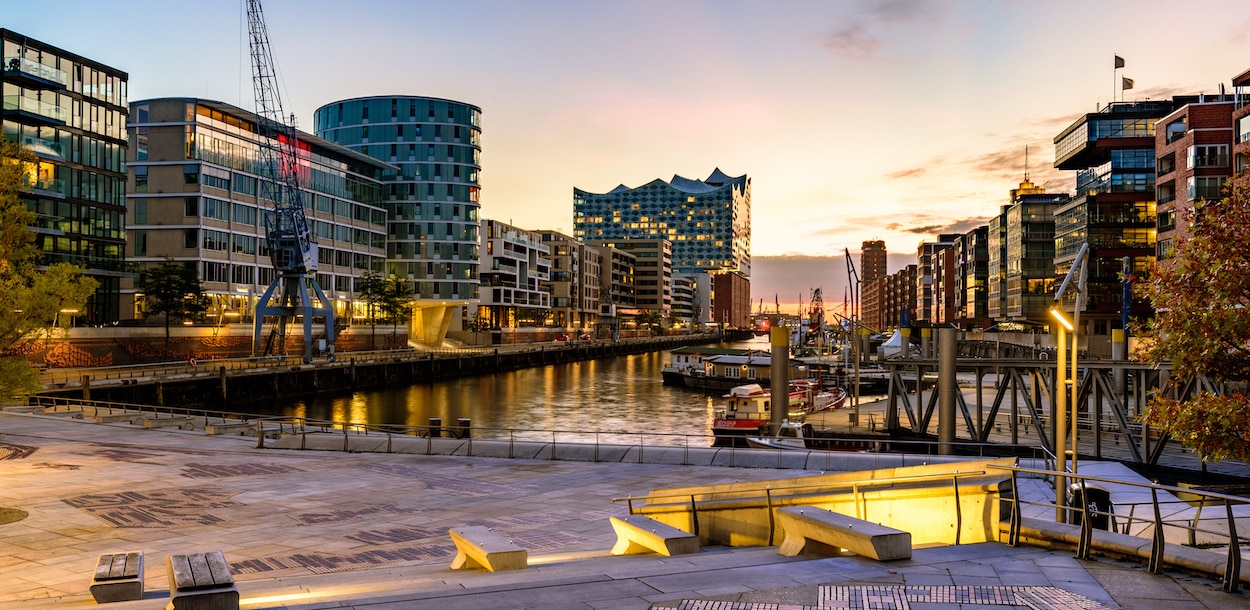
294	290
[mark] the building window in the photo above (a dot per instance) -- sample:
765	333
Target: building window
191	174
140	240
190	238
141	178
191	206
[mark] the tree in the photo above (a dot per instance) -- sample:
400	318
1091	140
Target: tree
372	289
1202	326
396	295
648	319
31	295
173	290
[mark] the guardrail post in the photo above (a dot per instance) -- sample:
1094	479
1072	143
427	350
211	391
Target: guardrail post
260	435
959	513
1013	534
1232	567
1156	547
694	515
345	440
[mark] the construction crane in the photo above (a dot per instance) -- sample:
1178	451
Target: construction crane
294	290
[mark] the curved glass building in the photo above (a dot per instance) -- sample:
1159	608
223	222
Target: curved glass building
431	199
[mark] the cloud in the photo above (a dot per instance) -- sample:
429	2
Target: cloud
861	36
914	172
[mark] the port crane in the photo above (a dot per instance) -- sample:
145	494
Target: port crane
294	290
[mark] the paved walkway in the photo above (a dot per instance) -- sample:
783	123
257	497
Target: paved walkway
314	529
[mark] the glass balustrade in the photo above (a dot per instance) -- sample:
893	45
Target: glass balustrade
36	69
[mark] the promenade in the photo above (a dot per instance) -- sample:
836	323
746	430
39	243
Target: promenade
327	529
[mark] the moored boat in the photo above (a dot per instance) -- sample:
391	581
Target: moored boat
689	359
749	406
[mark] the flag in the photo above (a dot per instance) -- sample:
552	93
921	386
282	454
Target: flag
1119	61
1127	83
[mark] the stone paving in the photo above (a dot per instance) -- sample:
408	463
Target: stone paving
323	529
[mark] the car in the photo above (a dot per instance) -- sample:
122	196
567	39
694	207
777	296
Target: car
584	337
562	339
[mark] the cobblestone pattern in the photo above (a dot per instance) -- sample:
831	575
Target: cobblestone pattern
324	563
898	597
158	509
213	471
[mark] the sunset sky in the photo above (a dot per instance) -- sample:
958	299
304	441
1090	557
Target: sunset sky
855	120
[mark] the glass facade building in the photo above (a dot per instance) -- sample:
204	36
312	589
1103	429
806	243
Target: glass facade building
1112	152
708	222
195	198
431	195
71	112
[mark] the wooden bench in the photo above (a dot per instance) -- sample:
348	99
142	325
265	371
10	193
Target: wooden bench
108	418
201	581
118	578
232	427
184	423
483	548
640	534
812	528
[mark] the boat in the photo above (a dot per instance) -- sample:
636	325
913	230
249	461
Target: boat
749	406
794	435
791	435
689	359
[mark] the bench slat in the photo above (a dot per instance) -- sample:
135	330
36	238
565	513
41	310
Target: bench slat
218	568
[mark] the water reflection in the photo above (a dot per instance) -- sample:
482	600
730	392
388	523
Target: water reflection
623	394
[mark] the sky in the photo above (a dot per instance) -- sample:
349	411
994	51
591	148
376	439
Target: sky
893	119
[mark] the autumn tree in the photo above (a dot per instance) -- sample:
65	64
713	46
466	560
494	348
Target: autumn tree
174	291
1202	326
31	294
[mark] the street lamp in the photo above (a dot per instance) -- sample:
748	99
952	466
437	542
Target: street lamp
1061	380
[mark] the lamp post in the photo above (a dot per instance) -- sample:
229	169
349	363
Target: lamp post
1061	413
1061	381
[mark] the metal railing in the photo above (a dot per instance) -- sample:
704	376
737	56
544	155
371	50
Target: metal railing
762	496
71	377
1193	526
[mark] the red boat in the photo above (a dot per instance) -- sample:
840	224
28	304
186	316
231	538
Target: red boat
748	406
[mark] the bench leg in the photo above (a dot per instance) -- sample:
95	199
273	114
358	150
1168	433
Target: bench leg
796	545
462	560
625	546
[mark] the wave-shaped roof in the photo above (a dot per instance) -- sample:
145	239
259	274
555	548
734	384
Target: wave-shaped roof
717	180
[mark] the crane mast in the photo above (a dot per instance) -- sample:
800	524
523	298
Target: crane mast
294	290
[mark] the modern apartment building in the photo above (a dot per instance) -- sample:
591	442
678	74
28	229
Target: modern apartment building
898	298
872	261
1112	152
515	267
1029	267
71	112
971	259
195	198
1193	147
616	287
707	222
1241	123
576	273
928	282
431	195
653	271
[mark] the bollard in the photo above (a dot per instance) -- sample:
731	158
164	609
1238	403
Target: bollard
436	427
462	427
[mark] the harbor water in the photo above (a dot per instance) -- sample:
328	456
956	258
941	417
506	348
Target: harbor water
623	394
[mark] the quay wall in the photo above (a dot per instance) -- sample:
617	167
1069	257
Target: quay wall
216	388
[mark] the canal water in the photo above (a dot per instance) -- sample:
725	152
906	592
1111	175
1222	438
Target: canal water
623	394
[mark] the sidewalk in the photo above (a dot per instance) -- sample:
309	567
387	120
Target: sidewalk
313	529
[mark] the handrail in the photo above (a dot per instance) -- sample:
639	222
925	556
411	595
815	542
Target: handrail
825	485
1232	565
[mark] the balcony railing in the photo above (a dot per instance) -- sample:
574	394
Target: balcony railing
25	104
33	68
44	147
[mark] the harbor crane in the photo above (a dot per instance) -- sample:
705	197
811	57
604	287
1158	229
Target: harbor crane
294	291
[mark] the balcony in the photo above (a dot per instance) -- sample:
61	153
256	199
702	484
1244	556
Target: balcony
44	148
34	74
1218	160
42	112
46	186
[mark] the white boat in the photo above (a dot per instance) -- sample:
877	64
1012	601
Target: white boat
791	435
749	406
